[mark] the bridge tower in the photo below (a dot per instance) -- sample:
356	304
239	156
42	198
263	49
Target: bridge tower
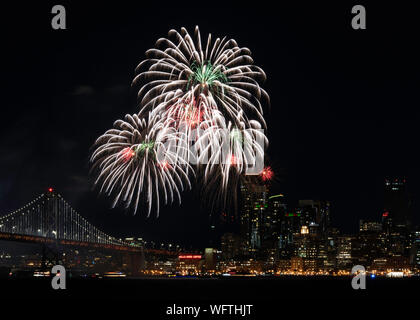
50	252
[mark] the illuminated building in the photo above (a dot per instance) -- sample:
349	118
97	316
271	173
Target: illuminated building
317	212
304	230
331	247
210	259
231	246
163	266
415	251
369	226
279	233
189	264
306	212
396	237
290	225
309	246
390	264
399	242
272	239
387	223
254	207
305	234
322	258
284	265
397	202
344	251
296	264
367	246
307	249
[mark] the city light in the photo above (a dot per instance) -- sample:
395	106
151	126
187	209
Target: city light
314	248
189	256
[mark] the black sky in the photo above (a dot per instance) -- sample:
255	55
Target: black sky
344	103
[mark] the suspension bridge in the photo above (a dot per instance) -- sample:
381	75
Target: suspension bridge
50	221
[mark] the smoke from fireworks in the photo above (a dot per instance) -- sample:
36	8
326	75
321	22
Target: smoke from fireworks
201	112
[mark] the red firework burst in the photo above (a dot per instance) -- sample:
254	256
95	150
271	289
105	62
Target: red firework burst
267	174
127	154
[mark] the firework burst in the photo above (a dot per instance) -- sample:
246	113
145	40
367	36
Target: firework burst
201	112
267	174
220	71
134	162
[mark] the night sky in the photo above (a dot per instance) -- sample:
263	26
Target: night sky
344	103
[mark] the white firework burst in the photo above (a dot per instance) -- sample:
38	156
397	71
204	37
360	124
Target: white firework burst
135	161
220	72
200	104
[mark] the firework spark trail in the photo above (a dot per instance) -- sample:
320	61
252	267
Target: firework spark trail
200	104
130	164
223	72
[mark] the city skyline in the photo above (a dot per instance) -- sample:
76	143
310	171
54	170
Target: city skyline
222	219
270	238
210	160
397	204
332	134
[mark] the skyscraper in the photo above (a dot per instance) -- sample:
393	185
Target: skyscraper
230	245
289	226
397	202
315	211
273	236
254	208
345	245
415	251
